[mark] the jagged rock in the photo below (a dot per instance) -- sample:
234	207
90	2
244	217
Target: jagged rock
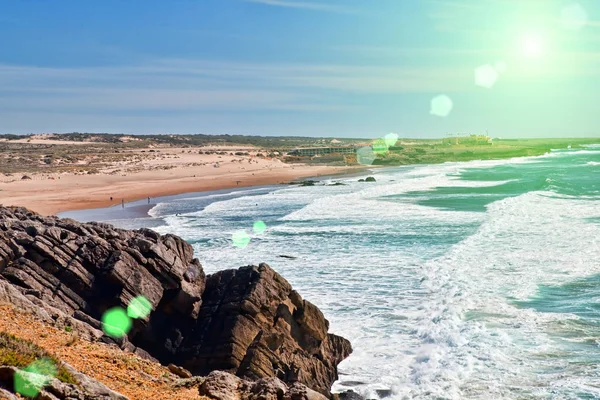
86	388
300	392
82	270
179	371
349	395
220	385
268	389
248	321
254	325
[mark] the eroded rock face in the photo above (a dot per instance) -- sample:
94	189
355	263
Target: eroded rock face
220	385
85	269
254	325
249	322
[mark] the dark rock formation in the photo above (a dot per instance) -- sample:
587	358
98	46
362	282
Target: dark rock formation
370	179
85	269
254	325
248	321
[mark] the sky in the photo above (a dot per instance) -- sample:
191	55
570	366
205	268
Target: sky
335	68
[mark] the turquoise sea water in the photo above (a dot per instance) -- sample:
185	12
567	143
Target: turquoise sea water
476	280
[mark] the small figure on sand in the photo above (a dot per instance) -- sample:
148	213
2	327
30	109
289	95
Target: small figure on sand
110	198
122	203
148	200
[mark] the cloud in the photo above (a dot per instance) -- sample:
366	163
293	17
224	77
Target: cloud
188	85
300	4
430	52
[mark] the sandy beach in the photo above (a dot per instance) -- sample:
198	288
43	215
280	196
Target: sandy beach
166	172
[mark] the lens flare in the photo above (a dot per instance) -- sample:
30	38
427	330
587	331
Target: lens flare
380	146
139	307
365	155
116	323
441	106
259	227
486	76
240	239
29	381
532	45
391	139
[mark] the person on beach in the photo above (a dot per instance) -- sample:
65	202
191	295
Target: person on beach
123	203
148	200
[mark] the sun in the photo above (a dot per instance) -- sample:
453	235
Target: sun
532	45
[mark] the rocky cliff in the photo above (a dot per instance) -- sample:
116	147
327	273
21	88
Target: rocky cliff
248	322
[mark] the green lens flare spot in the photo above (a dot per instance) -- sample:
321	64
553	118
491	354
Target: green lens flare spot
365	155
380	146
486	76
441	106
116	323
139	307
391	139
259	227
29	381
240	239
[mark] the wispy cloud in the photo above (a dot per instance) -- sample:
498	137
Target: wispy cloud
176	84
301	4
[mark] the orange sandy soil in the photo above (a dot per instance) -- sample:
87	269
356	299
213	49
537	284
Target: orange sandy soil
125	373
172	172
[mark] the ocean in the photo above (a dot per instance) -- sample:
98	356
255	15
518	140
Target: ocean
475	280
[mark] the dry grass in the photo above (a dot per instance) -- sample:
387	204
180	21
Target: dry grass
20	353
125	373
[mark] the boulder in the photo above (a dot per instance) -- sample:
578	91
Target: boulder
179	371
254	325
220	385
79	271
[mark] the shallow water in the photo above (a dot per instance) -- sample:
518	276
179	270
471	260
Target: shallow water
475	280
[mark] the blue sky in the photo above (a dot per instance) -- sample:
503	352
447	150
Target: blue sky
347	68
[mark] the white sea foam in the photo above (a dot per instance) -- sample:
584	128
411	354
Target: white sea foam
427	296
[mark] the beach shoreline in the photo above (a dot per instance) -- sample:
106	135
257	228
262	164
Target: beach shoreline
51	196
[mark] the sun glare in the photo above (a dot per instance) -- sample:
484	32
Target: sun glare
532	46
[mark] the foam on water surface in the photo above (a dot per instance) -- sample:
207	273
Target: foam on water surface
452	281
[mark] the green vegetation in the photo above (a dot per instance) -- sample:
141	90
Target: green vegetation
432	152
21	353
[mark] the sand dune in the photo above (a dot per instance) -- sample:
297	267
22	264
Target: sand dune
145	174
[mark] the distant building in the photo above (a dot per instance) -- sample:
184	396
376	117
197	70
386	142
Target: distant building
467	139
315	151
